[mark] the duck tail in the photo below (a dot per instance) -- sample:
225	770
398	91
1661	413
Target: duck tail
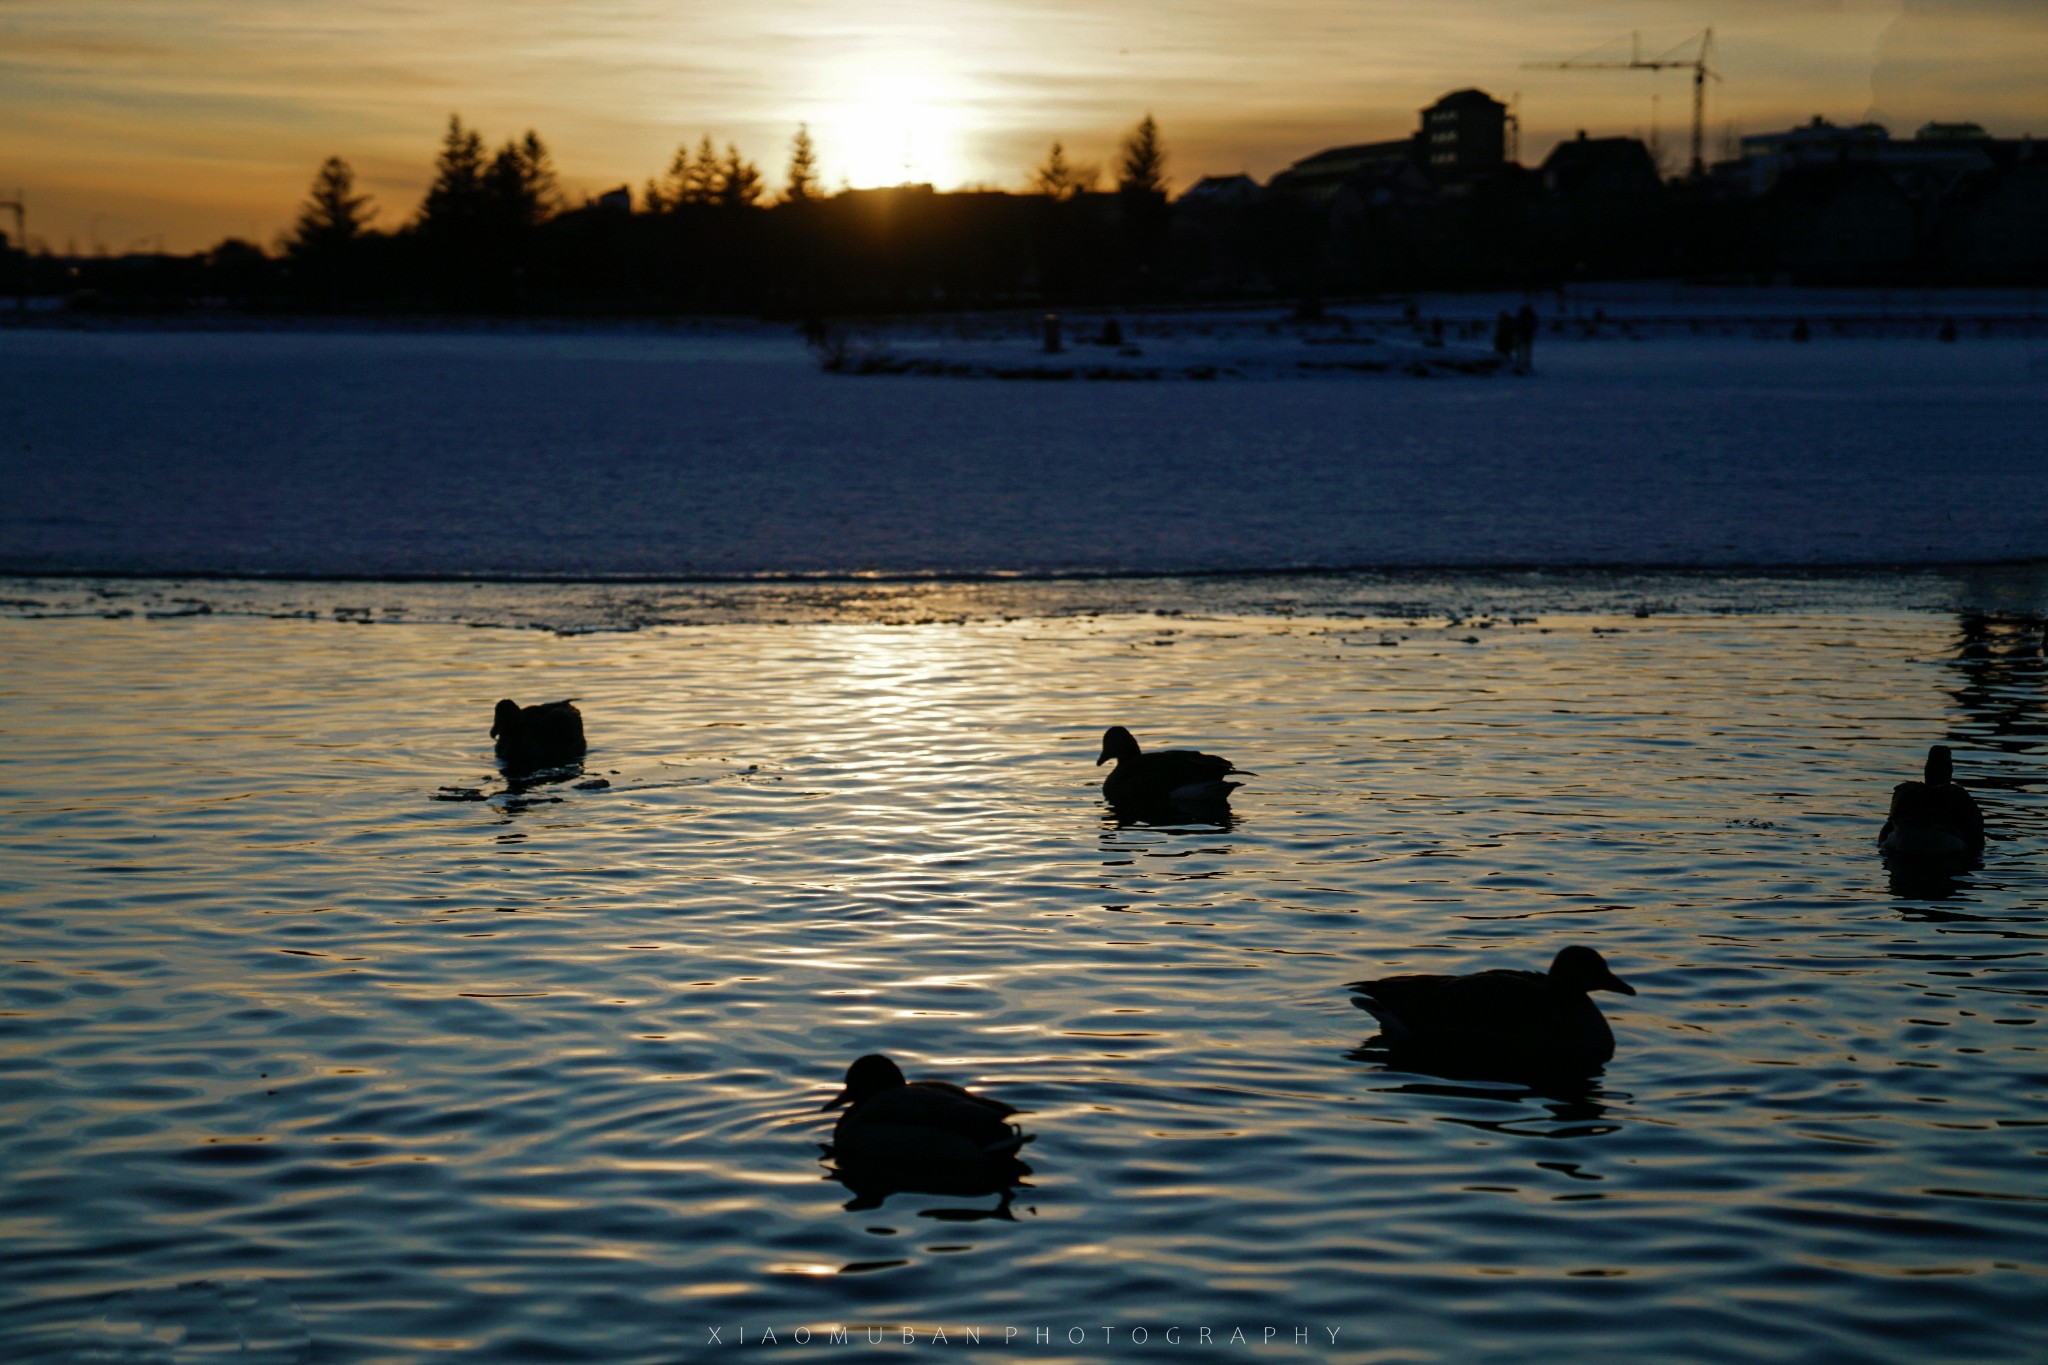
1391	1027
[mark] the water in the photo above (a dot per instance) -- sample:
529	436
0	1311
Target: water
308	1055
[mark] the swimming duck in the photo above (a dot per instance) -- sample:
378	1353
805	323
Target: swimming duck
1933	820
1164	776
922	1124
1521	1019
538	736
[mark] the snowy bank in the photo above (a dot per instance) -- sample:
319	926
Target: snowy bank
708	452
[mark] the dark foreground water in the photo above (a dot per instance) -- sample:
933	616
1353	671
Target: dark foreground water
320	1044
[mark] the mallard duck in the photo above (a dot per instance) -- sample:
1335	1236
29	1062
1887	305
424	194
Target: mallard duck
1542	1021
538	736
934	1124
1164	776
1933	820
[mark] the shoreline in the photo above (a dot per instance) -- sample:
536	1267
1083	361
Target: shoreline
2009	591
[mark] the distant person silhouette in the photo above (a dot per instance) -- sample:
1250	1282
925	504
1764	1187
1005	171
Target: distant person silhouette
1504	337
1525	339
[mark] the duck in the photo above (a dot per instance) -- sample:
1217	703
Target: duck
538	736
931	1127
1524	1020
1164	776
1933	820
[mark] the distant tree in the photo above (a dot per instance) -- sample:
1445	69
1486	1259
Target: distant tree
519	184
672	188
334	215
739	180
1059	178
1141	167
803	168
1055	179
455	201
702	176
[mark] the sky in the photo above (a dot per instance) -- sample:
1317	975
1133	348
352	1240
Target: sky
170	124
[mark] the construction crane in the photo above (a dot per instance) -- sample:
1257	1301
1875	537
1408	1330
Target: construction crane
1697	63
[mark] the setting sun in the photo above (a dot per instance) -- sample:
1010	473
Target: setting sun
892	124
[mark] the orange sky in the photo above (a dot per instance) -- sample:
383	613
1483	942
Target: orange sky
184	121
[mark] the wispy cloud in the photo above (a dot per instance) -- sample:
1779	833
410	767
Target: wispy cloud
213	114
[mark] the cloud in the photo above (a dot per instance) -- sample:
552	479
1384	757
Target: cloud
130	109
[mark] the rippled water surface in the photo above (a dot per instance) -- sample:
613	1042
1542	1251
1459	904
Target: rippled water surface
320	1043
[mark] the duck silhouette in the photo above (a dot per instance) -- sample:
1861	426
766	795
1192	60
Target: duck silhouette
932	1128
1516	1020
541	736
1164	777
1933	820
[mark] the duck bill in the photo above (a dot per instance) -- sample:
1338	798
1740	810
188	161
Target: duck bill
1104	759
843	1097
1615	983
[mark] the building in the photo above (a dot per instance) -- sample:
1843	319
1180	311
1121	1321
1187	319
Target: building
1317	179
1461	136
1221	191
1601	169
1935	157
1464	134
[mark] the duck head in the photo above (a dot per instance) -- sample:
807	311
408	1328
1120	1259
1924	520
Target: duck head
506	719
1582	969
869	1075
1941	766
1117	743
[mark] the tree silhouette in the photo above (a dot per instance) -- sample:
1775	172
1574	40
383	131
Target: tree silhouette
519	185
455	201
739	180
326	243
333	215
1055	179
803	168
1061	179
669	191
1141	167
701	177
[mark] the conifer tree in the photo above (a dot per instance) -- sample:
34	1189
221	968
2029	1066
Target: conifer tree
1141	168
673	189
702	176
520	183
334	214
803	168
1055	179
739	180
455	200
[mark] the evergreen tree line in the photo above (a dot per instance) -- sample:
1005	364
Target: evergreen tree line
493	234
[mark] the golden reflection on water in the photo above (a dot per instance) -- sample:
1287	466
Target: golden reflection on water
242	925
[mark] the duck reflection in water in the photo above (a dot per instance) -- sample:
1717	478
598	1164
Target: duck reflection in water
1575	1102
1509	1024
1911	881
923	1137
1220	820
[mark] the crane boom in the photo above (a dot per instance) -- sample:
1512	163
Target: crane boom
1697	64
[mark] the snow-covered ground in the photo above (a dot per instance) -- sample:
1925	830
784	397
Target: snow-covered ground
729	451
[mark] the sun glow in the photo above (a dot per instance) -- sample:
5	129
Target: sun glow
893	124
